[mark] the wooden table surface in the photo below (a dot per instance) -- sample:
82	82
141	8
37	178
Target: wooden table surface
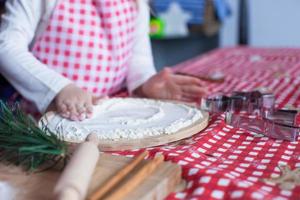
36	186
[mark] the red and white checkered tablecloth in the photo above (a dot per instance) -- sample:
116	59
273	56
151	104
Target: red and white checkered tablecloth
223	162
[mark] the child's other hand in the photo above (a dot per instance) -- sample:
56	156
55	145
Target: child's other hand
74	103
167	85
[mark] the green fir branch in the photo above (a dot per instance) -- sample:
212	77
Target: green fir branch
23	143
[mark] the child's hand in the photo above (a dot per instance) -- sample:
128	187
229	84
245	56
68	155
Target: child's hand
166	85
74	103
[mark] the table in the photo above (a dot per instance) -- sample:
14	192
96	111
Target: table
223	162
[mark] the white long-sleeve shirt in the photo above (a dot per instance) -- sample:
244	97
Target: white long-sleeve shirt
24	21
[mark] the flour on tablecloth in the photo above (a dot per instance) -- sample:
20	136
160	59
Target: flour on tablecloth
128	118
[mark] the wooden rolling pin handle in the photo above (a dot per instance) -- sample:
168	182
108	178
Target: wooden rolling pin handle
74	181
68	193
93	138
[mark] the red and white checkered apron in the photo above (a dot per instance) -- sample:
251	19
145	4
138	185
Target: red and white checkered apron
90	42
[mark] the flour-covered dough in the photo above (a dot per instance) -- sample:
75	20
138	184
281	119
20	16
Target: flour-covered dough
128	118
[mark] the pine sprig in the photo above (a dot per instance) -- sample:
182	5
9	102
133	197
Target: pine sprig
23	143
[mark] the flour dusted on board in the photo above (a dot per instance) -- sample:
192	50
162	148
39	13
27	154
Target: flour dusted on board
128	118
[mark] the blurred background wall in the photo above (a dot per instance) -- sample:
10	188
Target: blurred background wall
205	18
274	23
268	23
257	23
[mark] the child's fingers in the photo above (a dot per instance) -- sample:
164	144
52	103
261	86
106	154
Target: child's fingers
88	105
65	115
73	111
191	95
62	107
81	110
89	109
98	100
85	108
193	89
182	96
176	97
186	80
187	99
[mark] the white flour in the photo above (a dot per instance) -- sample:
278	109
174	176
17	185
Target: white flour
128	118
7	192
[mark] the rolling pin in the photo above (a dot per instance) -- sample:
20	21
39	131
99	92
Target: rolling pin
75	179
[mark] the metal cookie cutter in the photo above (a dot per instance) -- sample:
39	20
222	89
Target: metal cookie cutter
255	111
249	102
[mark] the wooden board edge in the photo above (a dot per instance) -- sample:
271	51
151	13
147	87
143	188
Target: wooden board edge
171	182
109	145
46	118
129	144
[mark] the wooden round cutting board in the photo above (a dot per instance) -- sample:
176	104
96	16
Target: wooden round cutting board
127	144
